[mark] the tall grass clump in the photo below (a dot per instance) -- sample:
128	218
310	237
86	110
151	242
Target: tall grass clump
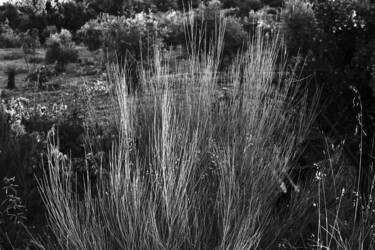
190	169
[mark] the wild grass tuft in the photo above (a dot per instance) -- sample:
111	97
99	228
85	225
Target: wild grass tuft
189	170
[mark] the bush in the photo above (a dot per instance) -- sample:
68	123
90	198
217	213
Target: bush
173	21
48	31
8	37
130	41
91	35
74	15
299	25
61	49
10	14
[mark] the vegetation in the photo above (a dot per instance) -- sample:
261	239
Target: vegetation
161	125
61	49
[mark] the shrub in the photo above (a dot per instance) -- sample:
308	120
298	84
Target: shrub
74	15
130	41
48	31
173	21
299	25
8	37
91	35
61	49
12	215
261	19
10	14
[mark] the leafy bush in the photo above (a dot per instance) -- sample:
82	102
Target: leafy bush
12	216
173	21
8	37
91	34
9	13
130	41
48	31
299	25
61	49
74	15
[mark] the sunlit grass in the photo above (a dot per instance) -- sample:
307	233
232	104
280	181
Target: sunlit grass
189	170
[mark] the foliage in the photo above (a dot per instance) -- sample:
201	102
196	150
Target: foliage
205	27
273	3
61	49
336	38
74	15
23	131
12	216
130	41
48	31
42	75
9	12
30	41
119	7
173	21
299	25
8	37
165	5
269	23
243	8
91	34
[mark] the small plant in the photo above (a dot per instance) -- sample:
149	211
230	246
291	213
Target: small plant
42	75
30	41
12	216
61	49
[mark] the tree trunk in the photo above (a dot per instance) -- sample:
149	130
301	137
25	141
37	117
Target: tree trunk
11	80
